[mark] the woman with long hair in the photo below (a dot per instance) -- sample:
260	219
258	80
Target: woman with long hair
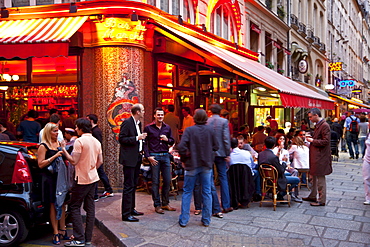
47	153
300	153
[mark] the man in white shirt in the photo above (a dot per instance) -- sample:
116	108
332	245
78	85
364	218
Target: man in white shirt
54	118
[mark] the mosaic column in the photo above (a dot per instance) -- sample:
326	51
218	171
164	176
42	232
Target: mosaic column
118	82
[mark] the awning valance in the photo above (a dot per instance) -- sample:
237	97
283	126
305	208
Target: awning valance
38	37
251	70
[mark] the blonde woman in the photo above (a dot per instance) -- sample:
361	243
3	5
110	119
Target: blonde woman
47	153
300	153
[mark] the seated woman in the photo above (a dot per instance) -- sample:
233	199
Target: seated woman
240	175
301	155
290	173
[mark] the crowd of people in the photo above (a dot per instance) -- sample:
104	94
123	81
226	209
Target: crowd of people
210	152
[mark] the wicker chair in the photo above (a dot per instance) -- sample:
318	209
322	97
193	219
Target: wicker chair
269	177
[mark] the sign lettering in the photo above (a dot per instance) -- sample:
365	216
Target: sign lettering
337	66
123	30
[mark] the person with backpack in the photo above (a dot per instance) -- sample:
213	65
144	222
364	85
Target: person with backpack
350	133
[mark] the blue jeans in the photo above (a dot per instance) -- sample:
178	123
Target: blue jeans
224	183
205	175
352	139
164	166
361	141
197	195
257	181
216	207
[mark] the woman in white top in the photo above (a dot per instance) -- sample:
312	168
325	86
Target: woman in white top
283	154
363	131
300	153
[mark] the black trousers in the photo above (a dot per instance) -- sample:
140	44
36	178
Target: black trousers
131	179
83	194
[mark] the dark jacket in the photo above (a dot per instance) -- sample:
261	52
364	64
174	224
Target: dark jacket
97	133
268	157
197	146
129	149
337	128
320	151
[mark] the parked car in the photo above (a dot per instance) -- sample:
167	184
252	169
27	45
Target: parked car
21	204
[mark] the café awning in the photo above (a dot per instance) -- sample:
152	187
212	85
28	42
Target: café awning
38	37
352	102
292	94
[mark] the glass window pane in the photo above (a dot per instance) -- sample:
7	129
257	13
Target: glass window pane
218	21
225	24
54	70
186	14
165	6
166	74
175	7
13	70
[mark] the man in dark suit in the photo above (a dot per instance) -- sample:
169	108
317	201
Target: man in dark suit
268	157
131	140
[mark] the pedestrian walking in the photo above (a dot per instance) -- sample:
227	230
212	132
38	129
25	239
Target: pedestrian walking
131	153
366	171
350	132
86	157
196	149
156	145
320	158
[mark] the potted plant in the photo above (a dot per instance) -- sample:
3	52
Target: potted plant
281	71
281	12
269	65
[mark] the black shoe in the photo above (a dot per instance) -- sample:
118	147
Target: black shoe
280	197
356	156
257	197
309	199
136	213
130	219
351	158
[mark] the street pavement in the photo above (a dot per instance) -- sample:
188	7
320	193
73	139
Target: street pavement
343	222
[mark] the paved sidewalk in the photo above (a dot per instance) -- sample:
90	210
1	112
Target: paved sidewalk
344	222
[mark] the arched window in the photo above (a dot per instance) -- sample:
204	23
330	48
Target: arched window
176	7
223	23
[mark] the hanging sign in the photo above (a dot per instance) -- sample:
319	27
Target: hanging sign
345	83
337	66
302	66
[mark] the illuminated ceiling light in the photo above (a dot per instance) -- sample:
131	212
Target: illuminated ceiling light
329	86
274	95
262	89
73	8
15	77
4	13
7	77
134	16
4	88
169	85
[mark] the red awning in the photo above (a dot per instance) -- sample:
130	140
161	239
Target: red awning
38	37
250	69
290	100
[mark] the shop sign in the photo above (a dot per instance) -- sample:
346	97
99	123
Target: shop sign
118	29
345	83
337	66
302	66
357	91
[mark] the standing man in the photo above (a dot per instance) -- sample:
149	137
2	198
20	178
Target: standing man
173	121
97	133
86	157
273	125
350	132
187	121
131	140
29	129
320	158
221	128
156	145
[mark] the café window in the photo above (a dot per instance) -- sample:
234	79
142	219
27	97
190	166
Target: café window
13	71
176	7
54	70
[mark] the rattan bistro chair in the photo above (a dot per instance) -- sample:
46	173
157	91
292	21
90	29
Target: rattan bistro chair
269	177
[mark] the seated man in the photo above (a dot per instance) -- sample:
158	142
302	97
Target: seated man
254	167
240	174
268	157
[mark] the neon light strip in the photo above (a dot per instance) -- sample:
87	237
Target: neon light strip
149	12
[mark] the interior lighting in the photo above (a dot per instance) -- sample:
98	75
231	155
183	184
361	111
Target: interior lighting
15	77
329	86
169	85
262	89
4	88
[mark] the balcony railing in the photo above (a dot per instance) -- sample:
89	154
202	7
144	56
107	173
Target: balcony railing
322	47
310	36
302	28
294	21
317	42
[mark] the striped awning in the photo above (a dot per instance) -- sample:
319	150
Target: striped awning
37	37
